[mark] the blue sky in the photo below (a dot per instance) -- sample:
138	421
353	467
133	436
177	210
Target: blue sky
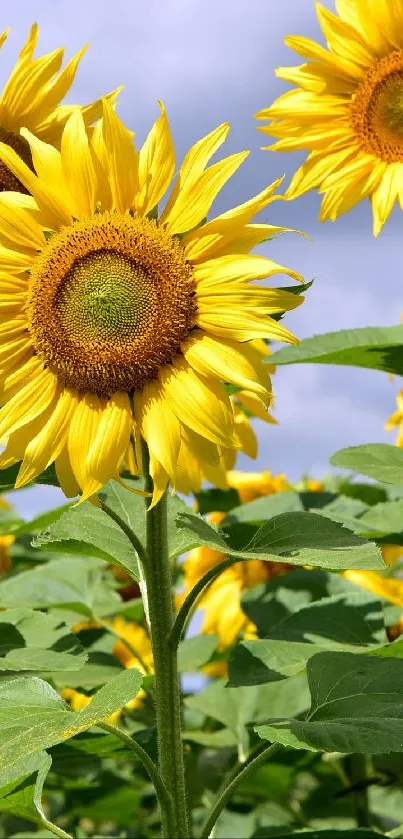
213	61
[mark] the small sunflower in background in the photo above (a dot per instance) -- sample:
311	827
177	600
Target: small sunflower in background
31	99
347	109
117	324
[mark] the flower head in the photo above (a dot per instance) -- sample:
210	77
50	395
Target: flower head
31	99
117	324
346	109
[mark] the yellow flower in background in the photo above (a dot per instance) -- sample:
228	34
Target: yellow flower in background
390	588
31	99
346	109
223	614
396	419
5	542
136	653
251	485
116	309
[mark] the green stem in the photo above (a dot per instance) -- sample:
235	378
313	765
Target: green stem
164	798
158	579
356	770
186	610
53	828
224	796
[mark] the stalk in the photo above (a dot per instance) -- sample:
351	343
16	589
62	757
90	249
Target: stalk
157	573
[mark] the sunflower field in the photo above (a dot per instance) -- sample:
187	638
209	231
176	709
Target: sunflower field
201	586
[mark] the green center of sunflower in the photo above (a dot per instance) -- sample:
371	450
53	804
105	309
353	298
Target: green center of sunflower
111	299
8	181
377	109
104	297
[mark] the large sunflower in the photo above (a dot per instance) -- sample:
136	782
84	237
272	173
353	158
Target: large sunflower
31	99
347	110
116	324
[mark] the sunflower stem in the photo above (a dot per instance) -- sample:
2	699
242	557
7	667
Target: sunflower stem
158	580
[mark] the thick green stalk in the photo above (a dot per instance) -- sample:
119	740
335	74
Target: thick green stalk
157	572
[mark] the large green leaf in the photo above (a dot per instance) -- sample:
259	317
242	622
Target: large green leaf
33	716
374	347
356	706
196	651
351	622
299	538
35	641
236	708
80	585
86	529
376	460
21	787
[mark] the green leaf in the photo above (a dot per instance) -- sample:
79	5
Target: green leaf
87	529
376	460
270	832
213	499
298	538
35	641
374	347
356	706
21	787
236	708
100	668
194	652
348	622
81	585
33	716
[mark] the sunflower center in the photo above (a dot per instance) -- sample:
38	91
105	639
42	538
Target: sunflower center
8	181
377	109
111	298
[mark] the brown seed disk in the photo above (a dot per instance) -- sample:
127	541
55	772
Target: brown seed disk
111	298
376	110
8	181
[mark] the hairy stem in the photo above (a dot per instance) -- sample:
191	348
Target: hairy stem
164	798
157	572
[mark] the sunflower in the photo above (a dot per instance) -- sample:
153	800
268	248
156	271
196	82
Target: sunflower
5	543
116	324
347	110
396	419
31	98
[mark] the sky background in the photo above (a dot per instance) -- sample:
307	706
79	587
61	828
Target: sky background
210	61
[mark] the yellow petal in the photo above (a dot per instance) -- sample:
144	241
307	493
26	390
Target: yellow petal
53	208
194	163
238	267
65	474
121	158
77	165
109	444
212	356
385	195
31	401
23	87
46	446
254	405
244	326
55	90
18	226
245	434
23	373
83	429
156	164
195	199
159	426
200	403
15	261
160	480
